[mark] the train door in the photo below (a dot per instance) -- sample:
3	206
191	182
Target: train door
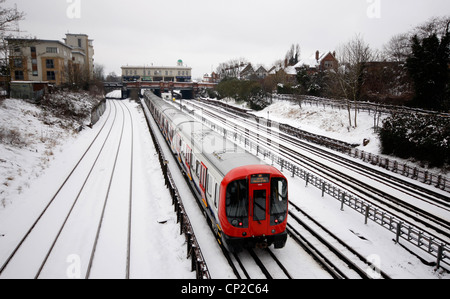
203	173
189	161
259	191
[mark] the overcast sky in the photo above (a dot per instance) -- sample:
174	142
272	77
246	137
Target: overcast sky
204	33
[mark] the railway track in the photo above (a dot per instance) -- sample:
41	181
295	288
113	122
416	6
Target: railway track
78	228
324	245
367	182
317	161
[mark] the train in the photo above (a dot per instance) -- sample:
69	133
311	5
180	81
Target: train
245	200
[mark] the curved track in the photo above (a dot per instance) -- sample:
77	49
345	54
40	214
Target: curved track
83	227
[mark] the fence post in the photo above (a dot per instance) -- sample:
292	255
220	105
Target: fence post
439	255
366	214
323	188
342	201
398	232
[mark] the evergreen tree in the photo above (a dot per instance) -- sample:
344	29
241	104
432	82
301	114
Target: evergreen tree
428	68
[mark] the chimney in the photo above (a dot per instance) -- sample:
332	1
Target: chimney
317	55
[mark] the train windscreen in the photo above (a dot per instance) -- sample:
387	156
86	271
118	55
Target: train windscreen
237	203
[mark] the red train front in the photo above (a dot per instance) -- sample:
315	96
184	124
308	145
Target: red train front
253	207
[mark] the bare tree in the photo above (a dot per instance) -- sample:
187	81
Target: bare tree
99	72
232	68
398	48
9	18
353	57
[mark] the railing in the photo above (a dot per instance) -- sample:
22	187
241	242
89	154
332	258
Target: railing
371	108
193	249
439	181
402	230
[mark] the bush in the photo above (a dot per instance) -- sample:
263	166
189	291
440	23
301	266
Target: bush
422	137
243	90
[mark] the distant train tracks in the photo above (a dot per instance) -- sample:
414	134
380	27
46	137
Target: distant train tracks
58	235
261	138
420	175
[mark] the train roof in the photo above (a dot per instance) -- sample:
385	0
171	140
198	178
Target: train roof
221	152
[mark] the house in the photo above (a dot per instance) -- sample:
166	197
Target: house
249	72
318	62
261	72
213	78
58	63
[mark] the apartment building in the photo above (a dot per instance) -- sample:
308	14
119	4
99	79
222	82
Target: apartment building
178	73
51	61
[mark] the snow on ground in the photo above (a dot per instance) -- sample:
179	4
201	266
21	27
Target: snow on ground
31	171
30	176
27	147
324	121
371	239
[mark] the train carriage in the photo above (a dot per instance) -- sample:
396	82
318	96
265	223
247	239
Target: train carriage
245	200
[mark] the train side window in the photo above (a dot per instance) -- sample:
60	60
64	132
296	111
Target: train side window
215	196
209	184
197	168
278	200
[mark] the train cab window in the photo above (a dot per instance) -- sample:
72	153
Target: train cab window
236	203
259	205
278	200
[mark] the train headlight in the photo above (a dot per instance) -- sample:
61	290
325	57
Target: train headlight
237	223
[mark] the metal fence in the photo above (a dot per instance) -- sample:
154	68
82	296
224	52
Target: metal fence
198	263
437	180
409	232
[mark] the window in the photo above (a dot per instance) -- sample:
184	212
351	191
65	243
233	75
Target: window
18	63
79	43
259	205
51	76
18	75
33	49
209	184
52	50
197	168
215	196
49	64
236	203
278	200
